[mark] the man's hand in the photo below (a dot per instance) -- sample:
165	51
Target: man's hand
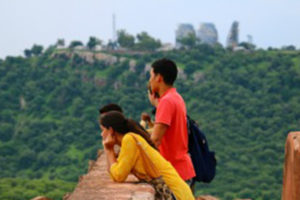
153	100
158	132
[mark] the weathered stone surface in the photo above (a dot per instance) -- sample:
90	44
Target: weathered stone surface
181	74
206	197
22	102
208	33
98	185
122	59
291	175
183	31
88	56
117	85
166	47
109	59
233	35
132	65
198	76
147	68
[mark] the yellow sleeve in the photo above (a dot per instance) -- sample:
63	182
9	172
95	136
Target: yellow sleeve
126	160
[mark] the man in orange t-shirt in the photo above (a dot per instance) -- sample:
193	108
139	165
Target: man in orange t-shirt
170	129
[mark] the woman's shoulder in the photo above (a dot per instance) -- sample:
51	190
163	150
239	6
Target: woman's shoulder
130	136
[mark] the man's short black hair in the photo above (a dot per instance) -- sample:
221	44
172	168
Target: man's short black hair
167	69
110	107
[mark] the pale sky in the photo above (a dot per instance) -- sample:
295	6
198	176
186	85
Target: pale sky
23	23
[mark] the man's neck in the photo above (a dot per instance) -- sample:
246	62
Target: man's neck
163	89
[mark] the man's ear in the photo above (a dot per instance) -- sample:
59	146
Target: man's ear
160	78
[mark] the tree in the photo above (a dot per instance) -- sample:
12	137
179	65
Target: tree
60	42
111	45
75	43
93	42
125	40
6	131
26	158
27	53
146	42
36	50
247	45
289	48
191	67
189	41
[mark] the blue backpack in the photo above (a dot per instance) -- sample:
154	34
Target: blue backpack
204	161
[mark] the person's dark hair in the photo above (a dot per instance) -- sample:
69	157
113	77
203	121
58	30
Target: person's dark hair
119	123
167	69
110	107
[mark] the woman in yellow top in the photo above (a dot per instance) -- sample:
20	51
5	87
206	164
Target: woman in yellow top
116	129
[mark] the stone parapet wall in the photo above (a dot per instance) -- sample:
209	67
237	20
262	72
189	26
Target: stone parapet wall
291	174
97	185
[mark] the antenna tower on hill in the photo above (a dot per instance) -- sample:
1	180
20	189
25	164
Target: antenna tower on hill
114	34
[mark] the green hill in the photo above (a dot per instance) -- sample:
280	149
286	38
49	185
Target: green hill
245	102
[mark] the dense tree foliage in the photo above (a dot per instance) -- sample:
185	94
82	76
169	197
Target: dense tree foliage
27	53
146	42
93	42
20	189
245	102
75	43
60	42
125	39
188	42
36	49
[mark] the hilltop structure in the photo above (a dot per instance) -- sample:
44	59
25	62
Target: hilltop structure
183	30
207	33
233	35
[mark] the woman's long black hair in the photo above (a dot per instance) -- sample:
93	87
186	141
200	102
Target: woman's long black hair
119	123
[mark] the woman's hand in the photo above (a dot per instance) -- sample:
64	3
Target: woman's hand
109	141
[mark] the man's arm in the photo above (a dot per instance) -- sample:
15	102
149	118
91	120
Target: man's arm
158	132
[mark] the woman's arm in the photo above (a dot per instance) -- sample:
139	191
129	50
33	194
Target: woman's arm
126	159
108	144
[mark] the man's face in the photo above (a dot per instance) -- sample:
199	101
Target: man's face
153	81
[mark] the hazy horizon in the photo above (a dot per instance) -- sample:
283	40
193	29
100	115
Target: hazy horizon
271	23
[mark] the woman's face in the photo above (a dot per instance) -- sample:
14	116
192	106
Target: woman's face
105	131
